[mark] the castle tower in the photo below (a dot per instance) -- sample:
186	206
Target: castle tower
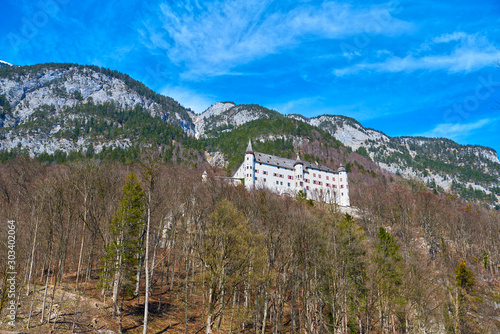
343	192
299	175
249	167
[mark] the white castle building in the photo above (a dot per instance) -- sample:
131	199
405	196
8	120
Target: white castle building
287	176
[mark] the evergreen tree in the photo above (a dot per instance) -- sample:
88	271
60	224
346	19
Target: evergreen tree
389	275
122	252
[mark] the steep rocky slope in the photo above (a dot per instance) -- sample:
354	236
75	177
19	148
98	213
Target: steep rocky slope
225	116
52	91
473	171
66	108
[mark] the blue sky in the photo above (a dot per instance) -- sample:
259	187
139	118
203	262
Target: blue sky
402	67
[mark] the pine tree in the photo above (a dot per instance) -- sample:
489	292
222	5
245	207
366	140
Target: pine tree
389	275
122	252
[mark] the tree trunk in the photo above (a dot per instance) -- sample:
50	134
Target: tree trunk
210	311
32	258
45	293
264	317
116	282
146	268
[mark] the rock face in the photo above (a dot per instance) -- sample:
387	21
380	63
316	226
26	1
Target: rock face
347	130
61	87
440	162
68	86
39	105
225	116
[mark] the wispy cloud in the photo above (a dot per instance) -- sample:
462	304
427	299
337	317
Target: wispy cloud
212	39
455	36
189	98
468	53
458	131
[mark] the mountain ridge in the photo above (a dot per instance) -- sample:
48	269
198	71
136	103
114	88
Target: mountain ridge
54	107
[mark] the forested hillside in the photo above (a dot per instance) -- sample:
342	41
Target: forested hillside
100	182
91	235
58	112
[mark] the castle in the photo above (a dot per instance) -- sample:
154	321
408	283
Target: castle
287	176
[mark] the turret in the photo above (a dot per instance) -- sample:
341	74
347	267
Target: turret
343	192
299	174
249	166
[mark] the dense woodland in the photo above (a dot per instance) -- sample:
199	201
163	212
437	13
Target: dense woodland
100	243
129	240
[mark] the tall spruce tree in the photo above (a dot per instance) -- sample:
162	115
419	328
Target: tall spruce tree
122	252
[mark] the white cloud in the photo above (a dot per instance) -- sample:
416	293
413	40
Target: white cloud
457	131
298	106
456	36
188	98
470	53
212	39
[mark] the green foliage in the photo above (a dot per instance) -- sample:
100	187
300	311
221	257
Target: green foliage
126	227
485	256
472	194
301	196
229	252
233	144
362	151
464	277
344	271
389	264
168	104
4	105
495	190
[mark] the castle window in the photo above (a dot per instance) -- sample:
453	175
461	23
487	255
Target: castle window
319	175
328	184
275	174
256	171
307	180
340	179
334	186
265	172
341	186
307	187
320	183
327	177
281	183
281	175
265	180
289	184
314	174
301	183
277	182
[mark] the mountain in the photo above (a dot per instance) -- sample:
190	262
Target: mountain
471	170
64	109
4	64
42	103
225	116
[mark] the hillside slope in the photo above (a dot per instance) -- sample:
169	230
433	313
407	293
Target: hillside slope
63	108
50	93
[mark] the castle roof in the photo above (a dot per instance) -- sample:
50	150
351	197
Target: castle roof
288	163
249	147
